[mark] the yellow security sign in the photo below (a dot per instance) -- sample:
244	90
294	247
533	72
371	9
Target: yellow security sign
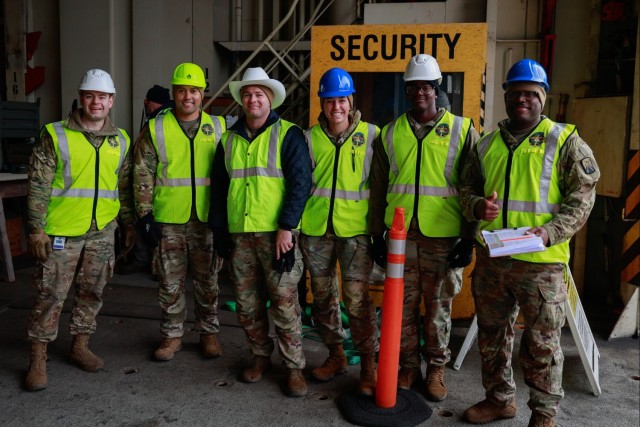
458	48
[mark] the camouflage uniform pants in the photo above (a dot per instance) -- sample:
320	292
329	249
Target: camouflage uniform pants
87	261
500	285
427	278
320	255
188	248
255	282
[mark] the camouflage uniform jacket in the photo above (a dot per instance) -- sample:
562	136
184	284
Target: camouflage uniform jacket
380	175
577	185
42	169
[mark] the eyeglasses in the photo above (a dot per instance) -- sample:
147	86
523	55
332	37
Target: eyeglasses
426	89
528	95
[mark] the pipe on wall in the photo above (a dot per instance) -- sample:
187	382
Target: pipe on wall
238	16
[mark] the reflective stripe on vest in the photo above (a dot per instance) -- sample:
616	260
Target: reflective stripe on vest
350	190
534	194
438	204
257	186
75	200
270	171
175	175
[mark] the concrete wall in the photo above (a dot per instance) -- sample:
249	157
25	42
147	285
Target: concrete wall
96	34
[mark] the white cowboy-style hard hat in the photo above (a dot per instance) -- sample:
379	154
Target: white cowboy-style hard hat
258	77
98	80
423	67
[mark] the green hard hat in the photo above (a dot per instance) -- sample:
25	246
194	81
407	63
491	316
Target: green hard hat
188	74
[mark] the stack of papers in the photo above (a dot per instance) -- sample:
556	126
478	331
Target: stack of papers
511	241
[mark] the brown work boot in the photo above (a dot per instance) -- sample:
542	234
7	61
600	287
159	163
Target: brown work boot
37	374
538	419
407	376
82	356
368	374
296	385
210	346
436	390
335	364
168	347
258	366
487	411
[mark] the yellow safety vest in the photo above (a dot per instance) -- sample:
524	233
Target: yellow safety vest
183	176
439	213
257	186
527	182
340	182
85	184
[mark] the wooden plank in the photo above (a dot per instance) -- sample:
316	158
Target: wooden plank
602	123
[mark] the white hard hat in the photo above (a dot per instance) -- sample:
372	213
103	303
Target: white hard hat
97	80
424	68
258	77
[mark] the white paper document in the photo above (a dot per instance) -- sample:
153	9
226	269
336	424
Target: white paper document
511	241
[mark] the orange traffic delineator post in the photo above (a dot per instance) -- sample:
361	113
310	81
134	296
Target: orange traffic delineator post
390	407
390	330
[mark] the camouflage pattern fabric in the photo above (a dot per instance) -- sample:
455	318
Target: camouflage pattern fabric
87	261
427	278
500	285
320	255
255	282
187	248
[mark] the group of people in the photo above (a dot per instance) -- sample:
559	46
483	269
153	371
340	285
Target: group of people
272	200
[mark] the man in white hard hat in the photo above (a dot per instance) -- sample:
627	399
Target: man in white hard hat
79	184
172	166
262	172
416	165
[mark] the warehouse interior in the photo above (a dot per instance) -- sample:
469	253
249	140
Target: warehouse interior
589	47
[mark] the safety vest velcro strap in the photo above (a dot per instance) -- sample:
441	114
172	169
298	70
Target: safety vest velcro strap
342	194
181	182
423	190
84	193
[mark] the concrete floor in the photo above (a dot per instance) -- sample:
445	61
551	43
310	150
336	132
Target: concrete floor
134	390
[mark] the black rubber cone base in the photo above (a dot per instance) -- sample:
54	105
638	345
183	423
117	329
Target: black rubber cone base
410	410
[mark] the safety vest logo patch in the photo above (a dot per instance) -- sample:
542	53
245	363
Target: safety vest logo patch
358	139
536	139
207	129
442	129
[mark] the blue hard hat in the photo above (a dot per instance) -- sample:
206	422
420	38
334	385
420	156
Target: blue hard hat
334	83
527	70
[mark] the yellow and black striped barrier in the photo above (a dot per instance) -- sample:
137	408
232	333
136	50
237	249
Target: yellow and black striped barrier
630	269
